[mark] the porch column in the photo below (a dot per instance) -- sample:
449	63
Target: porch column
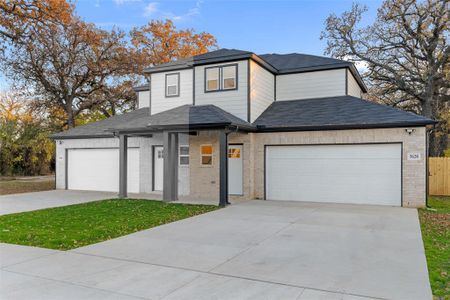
170	181
123	157
174	165
223	168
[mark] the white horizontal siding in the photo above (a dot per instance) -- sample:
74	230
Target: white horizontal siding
353	86
315	84
262	90
233	101
143	99
159	101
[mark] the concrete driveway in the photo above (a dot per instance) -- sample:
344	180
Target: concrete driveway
252	250
15	203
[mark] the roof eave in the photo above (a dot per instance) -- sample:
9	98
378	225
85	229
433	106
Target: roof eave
343	127
202	126
358	78
80	136
142	88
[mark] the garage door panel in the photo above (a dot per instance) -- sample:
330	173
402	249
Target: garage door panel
98	169
369	174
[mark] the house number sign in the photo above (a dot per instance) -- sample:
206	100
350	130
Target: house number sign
414	156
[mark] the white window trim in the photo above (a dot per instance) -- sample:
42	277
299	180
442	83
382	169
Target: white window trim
183	155
177	85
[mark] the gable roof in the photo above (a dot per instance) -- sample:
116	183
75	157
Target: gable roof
344	112
275	63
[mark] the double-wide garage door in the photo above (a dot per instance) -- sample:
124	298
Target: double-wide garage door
362	174
98	169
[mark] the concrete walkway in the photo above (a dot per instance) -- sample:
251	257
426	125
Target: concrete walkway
32	201
252	250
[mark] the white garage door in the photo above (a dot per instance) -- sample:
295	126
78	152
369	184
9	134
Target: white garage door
98	170
363	174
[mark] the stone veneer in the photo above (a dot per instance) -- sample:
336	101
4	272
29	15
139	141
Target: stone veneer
205	180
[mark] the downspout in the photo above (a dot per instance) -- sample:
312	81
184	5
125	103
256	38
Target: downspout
427	165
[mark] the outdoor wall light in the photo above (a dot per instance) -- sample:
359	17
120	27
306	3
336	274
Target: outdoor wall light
410	130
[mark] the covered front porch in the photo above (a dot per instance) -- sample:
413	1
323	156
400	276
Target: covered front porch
207	129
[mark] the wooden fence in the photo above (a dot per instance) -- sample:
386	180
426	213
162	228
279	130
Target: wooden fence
439	176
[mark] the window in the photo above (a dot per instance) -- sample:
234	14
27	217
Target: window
173	85
234	153
212	79
206	155
221	78
184	155
229	77
160	153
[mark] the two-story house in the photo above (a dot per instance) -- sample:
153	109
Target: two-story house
230	123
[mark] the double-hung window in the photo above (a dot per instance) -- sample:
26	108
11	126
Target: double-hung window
184	155
221	78
173	85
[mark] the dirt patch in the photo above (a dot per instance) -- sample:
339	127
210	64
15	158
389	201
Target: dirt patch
27	185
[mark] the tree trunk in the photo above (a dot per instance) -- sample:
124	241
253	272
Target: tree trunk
430	109
70	114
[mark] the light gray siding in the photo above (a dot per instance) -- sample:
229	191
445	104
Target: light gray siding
145	159
353	86
262	90
233	101
160	102
307	85
143	99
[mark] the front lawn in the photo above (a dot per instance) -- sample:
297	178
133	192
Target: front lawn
74	226
435	224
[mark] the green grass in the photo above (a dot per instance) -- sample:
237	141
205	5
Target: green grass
447	153
73	226
435	224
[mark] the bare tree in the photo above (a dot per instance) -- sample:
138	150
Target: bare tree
407	53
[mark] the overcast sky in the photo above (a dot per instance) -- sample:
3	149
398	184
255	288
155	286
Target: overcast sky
258	26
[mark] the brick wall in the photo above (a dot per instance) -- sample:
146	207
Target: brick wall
204	181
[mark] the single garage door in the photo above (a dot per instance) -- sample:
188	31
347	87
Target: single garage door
362	174
98	169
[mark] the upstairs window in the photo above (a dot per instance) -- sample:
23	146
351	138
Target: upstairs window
173	85
212	79
221	78
229	77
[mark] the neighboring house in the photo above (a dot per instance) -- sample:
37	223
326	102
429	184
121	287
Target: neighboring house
277	127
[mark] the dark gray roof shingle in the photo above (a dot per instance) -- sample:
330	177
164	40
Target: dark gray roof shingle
140	120
297	61
334	113
281	63
99	128
221	53
187	116
344	112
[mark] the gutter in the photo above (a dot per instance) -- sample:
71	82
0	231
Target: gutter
263	128
89	136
